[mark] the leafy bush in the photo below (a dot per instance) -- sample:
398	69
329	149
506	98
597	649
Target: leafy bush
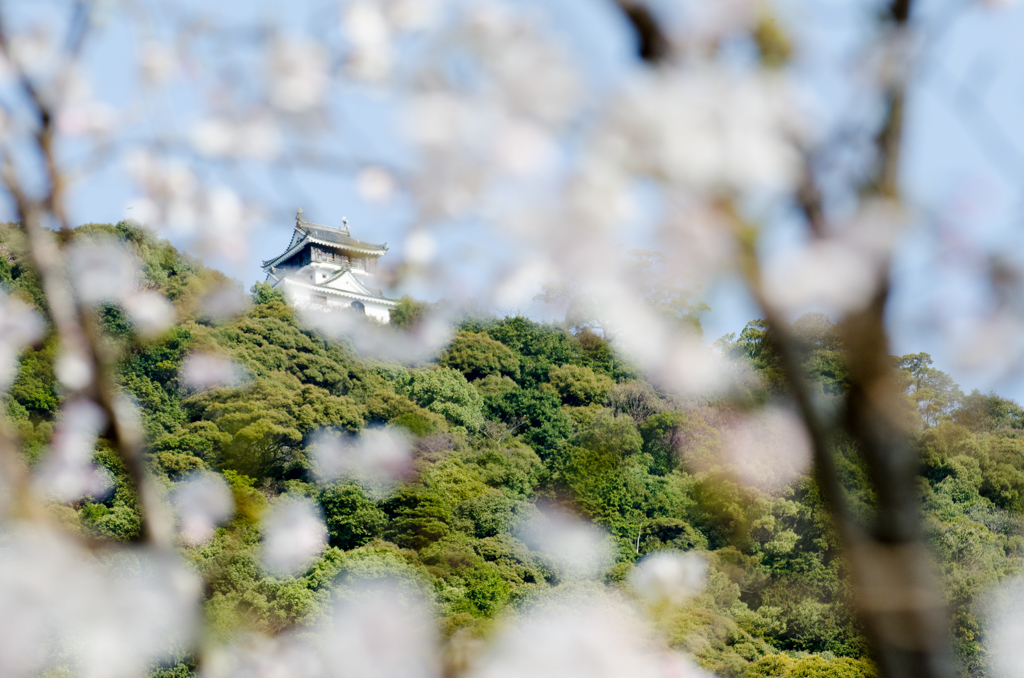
408	314
539	415
579	385
352	519
476	355
446	392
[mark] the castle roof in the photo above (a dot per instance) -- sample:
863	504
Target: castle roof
330	236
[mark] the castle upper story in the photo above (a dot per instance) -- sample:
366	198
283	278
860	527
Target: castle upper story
325	268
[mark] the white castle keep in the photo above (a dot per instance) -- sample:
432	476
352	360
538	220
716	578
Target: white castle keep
324	268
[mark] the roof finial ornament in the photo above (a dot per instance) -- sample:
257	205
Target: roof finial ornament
298	216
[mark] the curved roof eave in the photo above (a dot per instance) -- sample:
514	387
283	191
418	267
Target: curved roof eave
287	253
356	246
352	295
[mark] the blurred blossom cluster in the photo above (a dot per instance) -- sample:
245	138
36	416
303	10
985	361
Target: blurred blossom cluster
20	326
1006	625
214	218
68	472
506	129
293	535
706	130
203	502
576	635
110	615
840	272
572	547
380	629
377	458
768	449
202	371
421	342
668	576
105	272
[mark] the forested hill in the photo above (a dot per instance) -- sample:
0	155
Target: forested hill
512	416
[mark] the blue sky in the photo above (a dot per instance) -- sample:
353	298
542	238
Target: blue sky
963	159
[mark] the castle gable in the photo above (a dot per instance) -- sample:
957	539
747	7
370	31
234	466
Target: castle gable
325	268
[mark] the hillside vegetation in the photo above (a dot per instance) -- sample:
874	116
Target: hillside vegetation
514	416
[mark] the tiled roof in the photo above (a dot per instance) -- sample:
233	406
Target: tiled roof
306	231
339	236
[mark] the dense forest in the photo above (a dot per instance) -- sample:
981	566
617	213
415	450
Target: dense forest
514	416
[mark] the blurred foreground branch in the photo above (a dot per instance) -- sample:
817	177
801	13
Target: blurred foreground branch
896	589
85	369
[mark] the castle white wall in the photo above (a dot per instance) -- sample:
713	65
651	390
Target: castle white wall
306	298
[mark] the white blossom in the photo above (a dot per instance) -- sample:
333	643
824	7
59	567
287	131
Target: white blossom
259	138
827	273
297	73
150	312
256	656
157	62
423	342
293	536
203	371
225	222
669	576
60	605
707	130
436	119
377	457
420	247
414	15
375	184
214	137
1004	626
171	192
523	148
33	52
769	448
103	270
20	326
576	636
87	118
203	501
73	369
369	33
568	544
531	72
382	631
67	472
223	302
256	138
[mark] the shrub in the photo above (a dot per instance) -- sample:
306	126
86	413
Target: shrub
476	355
545	426
265	293
352	519
578	385
446	392
663	437
408	314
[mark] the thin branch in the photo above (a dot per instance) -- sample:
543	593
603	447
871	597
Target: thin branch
653	45
79	337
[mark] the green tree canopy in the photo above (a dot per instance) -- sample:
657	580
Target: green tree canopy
477	355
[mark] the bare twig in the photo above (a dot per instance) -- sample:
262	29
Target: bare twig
78	335
894	583
653	46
